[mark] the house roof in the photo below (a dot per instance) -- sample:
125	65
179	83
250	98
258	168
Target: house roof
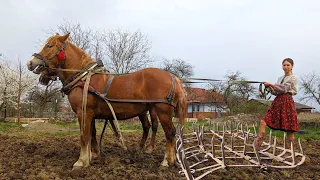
203	95
298	105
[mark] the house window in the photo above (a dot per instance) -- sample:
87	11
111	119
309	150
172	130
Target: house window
198	107
193	108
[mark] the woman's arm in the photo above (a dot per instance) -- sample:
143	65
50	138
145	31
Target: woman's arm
288	87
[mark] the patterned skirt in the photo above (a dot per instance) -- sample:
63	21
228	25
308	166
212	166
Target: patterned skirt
282	114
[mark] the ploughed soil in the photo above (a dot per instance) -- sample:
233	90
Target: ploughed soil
44	153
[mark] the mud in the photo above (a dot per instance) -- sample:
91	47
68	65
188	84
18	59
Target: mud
43	156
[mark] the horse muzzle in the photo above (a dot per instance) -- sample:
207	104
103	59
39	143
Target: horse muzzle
36	66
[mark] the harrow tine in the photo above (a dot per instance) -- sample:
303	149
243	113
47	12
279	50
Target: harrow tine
217	126
231	130
254	129
293	153
212	147
256	152
274	146
202	159
270	137
237	127
222	151
232	137
301	151
214	127
245	145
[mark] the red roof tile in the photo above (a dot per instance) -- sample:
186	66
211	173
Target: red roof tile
203	95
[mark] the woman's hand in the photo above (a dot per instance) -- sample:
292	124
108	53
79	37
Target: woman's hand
267	84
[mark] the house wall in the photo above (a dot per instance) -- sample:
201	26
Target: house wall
304	110
204	110
204	107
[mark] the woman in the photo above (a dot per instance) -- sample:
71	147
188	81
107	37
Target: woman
282	114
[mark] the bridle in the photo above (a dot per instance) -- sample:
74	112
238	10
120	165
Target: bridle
60	53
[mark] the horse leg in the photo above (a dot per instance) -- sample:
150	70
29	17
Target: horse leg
94	145
117	133
145	126
85	141
164	113
154	122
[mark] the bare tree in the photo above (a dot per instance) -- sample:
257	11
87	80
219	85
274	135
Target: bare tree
25	81
5	77
233	91
83	37
123	51
97	48
127	51
310	85
178	67
79	35
15	81
42	96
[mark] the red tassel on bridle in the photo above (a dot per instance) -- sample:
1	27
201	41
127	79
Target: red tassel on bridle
61	55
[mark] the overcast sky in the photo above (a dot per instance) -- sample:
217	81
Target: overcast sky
215	36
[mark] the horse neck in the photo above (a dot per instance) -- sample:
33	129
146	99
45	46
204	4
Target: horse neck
76	58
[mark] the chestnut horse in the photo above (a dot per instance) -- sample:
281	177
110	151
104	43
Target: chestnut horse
45	78
130	95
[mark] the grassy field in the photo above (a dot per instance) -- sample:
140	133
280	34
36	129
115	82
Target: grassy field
135	127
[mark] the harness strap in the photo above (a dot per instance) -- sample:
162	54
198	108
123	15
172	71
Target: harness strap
106	88
170	96
168	100
84	101
87	88
70	85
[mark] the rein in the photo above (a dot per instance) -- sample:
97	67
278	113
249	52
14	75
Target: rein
263	91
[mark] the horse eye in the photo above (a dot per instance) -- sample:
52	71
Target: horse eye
49	46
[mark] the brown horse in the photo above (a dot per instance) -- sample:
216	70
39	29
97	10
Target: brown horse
46	77
130	95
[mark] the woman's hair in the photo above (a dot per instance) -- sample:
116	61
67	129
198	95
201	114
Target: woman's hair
288	60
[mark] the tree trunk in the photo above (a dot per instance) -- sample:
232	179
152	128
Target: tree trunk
19	97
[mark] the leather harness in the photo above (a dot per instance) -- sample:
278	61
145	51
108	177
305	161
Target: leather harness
79	79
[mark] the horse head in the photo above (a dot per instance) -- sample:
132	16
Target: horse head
51	56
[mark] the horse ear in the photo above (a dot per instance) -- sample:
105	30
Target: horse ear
64	38
57	34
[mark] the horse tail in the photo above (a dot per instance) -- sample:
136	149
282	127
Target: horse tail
181	107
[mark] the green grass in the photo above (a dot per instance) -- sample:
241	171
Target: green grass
5	126
136	127
66	124
313	133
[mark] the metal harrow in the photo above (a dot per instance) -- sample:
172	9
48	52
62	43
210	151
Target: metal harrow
208	149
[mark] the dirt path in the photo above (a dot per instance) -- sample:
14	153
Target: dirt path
27	156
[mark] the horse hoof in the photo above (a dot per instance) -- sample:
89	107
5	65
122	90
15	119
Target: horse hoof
79	164
74	168
165	163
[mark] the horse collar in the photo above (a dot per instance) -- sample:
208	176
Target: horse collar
72	81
